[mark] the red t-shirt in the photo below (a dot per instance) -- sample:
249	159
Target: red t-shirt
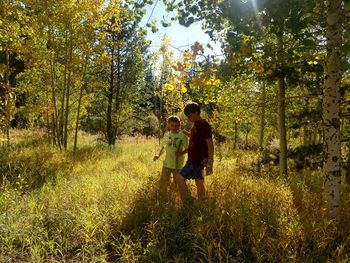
198	148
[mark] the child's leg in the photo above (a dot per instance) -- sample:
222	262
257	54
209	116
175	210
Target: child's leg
173	184
181	181
164	181
200	189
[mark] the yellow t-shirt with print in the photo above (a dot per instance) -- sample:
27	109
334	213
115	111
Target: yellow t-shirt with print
173	143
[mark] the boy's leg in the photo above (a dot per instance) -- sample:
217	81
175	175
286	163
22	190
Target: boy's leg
174	183
200	189
183	189
164	182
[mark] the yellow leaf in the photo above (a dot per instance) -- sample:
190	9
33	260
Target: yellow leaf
216	82
169	87
166	40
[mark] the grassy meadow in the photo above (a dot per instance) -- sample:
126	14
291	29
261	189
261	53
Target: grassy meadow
102	205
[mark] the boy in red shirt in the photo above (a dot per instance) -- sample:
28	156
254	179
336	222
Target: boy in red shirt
200	153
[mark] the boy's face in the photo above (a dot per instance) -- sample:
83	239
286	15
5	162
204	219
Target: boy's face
174	126
192	116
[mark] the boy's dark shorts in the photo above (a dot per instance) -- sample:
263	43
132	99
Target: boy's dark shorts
191	171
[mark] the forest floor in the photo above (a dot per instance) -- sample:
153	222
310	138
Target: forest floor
102	205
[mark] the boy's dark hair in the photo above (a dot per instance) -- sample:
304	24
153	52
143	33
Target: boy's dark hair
192	107
173	118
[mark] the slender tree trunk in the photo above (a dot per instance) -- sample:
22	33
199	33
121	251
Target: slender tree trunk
77	121
7	97
331	107
246	139
347	175
117	94
306	135
262	124
69	82
79	105
55	127
313	137
282	111
236	136
320	136
54	137
109	125
160	118
306	126
48	126
64	92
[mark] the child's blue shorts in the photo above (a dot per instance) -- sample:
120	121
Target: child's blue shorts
191	171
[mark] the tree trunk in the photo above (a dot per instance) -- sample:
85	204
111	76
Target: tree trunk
69	82
55	128
62	110
282	112
77	121
331	107
54	137
347	175
262	124
47	115
117	94
236	136
313	137
109	125
246	139
7	97
306	135
79	105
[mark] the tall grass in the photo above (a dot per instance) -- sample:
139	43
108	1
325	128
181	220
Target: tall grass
102	205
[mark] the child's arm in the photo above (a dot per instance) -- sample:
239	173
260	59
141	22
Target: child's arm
156	157
209	166
184	146
179	153
187	133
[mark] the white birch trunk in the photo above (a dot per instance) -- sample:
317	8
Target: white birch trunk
331	107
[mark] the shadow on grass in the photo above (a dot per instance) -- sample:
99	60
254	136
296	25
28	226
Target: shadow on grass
155	231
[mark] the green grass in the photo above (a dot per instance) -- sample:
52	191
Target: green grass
103	206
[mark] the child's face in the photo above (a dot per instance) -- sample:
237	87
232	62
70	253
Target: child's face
174	126
193	116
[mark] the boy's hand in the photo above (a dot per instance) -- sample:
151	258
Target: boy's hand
209	167
156	157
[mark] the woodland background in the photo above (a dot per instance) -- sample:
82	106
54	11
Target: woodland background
84	102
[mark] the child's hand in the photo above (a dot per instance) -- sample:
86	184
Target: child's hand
156	157
209	167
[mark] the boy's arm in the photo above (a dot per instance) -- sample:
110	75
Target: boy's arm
184	147
156	157
182	152
187	133
209	166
